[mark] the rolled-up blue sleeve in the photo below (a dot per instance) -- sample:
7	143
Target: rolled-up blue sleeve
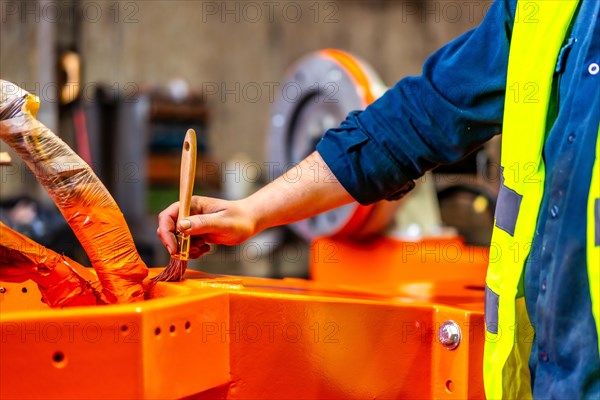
428	120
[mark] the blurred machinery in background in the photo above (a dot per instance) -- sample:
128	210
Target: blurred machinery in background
329	84
393	307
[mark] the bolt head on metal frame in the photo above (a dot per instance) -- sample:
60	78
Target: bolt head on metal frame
450	335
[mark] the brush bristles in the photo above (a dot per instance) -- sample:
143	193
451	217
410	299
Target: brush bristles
173	272
176	269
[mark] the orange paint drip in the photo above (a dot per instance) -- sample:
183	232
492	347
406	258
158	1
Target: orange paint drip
62	281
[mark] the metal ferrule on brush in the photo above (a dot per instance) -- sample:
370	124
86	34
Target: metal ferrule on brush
183	246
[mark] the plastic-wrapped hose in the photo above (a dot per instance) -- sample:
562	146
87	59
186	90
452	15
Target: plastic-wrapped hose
62	281
82	199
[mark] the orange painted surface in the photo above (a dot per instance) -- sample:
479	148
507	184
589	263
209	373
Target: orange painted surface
113	352
441	271
239	338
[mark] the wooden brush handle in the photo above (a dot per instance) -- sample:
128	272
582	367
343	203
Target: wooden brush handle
187	174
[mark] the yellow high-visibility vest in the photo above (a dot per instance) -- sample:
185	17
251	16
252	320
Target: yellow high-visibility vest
536	42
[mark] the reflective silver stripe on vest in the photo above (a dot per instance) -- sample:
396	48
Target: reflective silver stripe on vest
507	210
492	301
597	218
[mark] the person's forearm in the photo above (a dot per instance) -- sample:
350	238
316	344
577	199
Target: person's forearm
305	190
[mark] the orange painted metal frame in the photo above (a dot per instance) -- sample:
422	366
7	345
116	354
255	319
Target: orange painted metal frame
351	332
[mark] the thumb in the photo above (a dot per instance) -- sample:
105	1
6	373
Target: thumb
200	224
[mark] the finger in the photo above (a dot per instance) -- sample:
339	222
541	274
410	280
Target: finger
167	237
200	224
206	205
197	241
166	227
170	213
198	251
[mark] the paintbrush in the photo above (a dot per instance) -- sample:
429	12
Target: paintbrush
178	264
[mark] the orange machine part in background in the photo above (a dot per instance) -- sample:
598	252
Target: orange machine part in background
355	335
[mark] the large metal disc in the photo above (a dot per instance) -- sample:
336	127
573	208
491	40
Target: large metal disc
317	93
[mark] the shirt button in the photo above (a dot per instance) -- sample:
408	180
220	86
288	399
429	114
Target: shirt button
544	286
543	356
593	69
571	138
554	211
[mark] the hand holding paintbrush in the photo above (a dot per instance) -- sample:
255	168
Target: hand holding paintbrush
178	264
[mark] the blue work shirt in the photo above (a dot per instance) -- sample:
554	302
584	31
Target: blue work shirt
455	106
